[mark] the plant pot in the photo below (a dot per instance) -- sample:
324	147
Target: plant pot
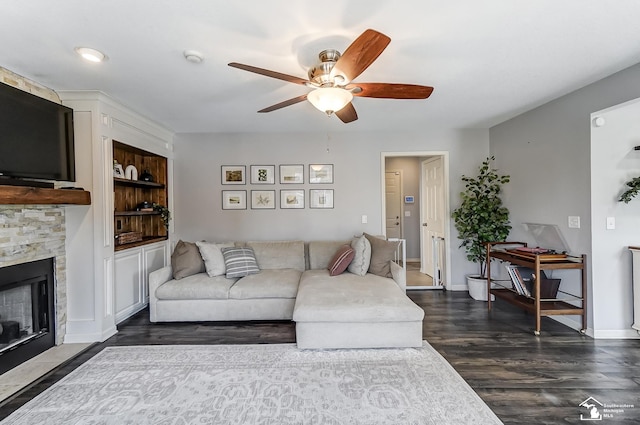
478	288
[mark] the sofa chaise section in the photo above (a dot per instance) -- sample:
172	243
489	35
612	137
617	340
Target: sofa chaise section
351	311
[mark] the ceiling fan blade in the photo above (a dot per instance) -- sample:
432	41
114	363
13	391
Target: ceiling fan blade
360	54
390	90
268	73
347	114
285	103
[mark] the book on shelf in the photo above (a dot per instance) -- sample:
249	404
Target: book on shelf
515	281
523	279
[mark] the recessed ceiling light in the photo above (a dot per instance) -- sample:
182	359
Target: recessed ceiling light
193	56
92	55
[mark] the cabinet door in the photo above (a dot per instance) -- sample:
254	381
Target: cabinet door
128	283
154	259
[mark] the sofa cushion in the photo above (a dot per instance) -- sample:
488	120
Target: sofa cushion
382	253
321	252
195	287
341	260
212	255
186	260
276	283
279	254
362	248
351	298
240	262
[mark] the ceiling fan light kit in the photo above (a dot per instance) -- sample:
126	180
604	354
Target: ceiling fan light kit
329	99
332	79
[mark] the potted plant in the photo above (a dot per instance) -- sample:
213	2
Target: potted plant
481	218
632	191
165	214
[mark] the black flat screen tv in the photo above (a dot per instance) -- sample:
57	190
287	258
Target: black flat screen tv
36	138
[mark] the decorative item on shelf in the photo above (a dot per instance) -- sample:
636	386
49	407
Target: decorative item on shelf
632	192
145	206
128	237
165	214
131	172
117	169
481	217
146	176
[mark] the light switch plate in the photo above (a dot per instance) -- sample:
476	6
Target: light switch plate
611	223
574	222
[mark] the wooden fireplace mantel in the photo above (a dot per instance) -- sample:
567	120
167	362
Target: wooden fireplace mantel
24	195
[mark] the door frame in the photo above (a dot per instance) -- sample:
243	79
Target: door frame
447	208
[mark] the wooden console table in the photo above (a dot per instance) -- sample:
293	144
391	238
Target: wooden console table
534	304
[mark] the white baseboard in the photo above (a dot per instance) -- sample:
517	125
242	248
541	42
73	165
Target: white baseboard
413	260
616	334
89	337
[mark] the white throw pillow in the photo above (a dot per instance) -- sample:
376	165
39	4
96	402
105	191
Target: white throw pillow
212	255
362	250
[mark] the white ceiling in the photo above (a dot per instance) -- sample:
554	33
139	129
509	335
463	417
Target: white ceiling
488	60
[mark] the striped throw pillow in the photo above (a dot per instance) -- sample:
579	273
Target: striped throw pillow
240	262
341	260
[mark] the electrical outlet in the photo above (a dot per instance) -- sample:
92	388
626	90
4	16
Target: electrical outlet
365	219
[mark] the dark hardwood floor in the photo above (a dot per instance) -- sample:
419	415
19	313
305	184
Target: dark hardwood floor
524	379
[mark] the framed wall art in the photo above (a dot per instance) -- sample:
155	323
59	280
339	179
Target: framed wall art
320	198
263	199
321	173
234	199
263	174
233	174
291	174
291	199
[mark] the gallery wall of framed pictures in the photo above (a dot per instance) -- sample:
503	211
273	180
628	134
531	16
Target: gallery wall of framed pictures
261	197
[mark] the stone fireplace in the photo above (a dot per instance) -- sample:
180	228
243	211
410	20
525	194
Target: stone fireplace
32	233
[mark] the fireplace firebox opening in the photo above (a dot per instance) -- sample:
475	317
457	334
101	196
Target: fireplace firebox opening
27	312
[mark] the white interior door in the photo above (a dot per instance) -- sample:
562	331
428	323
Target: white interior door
393	204
432	213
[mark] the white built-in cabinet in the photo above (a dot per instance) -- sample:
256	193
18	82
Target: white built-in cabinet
105	286
131	283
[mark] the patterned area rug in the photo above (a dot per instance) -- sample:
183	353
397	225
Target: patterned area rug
258	384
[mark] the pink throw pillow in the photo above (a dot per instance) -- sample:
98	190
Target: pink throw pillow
341	260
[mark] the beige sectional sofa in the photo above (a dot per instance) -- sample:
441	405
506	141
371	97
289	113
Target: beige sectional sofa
343	311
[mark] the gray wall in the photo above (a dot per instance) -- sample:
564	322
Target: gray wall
358	182
547	153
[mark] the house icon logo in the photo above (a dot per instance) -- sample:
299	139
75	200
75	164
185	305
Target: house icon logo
592	410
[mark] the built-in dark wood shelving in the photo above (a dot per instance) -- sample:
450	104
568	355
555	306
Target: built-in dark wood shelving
134	213
137	183
145	240
128	195
26	195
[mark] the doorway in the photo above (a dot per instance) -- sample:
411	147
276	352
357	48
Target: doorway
415	208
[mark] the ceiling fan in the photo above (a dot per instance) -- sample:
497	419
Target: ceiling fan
332	79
